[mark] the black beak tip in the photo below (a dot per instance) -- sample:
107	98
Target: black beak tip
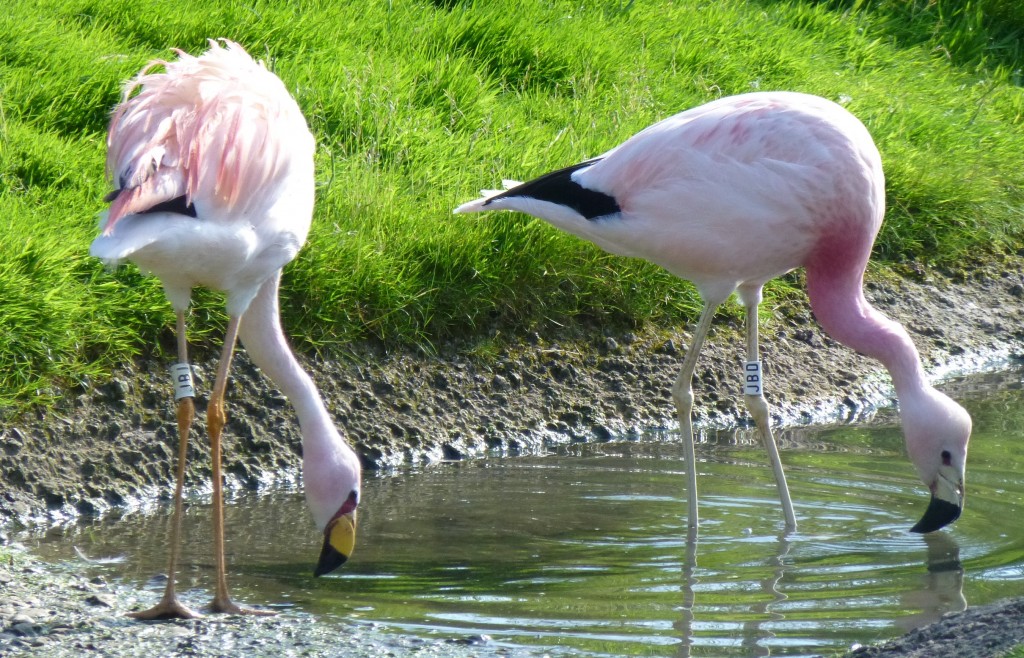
939	514
330	559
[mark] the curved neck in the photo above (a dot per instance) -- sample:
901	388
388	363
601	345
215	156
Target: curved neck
330	467
264	341
837	299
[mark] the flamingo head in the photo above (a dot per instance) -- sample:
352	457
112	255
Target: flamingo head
331	475
937	431
339	537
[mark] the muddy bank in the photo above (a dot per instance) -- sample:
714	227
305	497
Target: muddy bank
112	444
987	631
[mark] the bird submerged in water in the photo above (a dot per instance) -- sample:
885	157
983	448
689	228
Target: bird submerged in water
732	194
213	164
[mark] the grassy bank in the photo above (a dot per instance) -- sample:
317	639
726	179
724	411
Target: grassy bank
417	105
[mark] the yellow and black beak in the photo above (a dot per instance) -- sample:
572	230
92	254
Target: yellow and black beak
946	504
339	542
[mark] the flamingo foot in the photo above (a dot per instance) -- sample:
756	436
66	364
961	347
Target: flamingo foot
226	605
168	608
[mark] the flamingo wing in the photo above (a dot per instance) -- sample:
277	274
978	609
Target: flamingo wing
205	128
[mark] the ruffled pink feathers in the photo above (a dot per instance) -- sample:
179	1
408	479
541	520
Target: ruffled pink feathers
202	128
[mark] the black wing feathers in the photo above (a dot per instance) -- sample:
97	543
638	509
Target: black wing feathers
176	205
559	187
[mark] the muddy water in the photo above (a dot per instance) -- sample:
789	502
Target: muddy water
586	551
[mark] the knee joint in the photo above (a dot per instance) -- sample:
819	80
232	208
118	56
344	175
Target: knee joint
683	396
757	406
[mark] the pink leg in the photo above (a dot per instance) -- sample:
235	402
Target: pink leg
215	420
169	606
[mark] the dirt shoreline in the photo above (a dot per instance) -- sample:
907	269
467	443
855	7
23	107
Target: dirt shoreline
111	445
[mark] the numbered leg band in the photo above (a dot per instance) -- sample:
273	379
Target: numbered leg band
181	376
752	378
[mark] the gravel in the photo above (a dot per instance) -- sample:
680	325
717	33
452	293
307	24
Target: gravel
50	611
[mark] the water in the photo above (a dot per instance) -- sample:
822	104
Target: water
585	551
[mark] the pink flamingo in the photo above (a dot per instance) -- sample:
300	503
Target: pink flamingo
732	194
213	164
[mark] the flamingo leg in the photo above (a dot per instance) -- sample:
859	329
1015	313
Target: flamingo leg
169	606
758	408
682	393
215	421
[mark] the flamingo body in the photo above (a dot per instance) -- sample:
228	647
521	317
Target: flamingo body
728	193
213	164
185	252
220	135
734	193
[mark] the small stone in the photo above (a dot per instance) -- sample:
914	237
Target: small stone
117	390
104	600
472	640
562	372
668	347
452	452
24	629
570	417
12	441
499	383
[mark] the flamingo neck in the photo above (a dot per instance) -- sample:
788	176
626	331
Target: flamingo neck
836	292
330	467
265	342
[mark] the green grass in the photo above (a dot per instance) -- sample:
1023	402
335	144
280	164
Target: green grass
417	105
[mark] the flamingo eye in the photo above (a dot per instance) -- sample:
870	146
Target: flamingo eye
946	458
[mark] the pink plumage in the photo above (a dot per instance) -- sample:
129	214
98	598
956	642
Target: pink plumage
732	194
204	127
213	164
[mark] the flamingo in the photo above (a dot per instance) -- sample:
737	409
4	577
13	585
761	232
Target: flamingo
213	166
732	194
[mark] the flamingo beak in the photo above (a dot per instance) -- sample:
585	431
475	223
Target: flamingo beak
946	504
339	542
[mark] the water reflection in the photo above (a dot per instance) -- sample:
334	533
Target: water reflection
588	550
753	634
941	588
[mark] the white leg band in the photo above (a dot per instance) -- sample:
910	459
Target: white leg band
752	380
181	377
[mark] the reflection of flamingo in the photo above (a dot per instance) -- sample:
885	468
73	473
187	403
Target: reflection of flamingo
754	636
940	589
736	192
213	165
